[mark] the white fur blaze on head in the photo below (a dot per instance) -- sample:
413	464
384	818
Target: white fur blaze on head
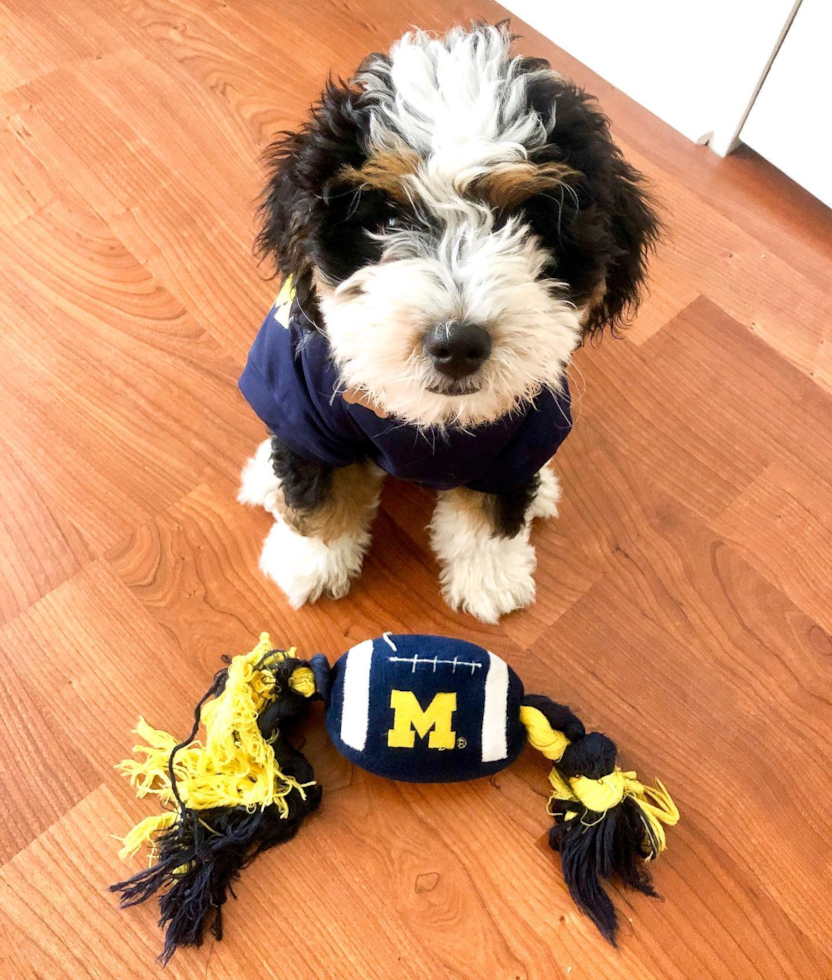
458	105
458	100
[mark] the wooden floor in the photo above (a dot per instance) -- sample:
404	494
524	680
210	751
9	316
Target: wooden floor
684	594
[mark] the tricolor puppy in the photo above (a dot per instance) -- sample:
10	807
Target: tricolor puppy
449	227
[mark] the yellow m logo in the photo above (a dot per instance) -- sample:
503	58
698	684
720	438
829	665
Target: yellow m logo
409	716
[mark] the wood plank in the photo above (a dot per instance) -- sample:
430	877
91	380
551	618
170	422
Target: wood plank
147	197
43	775
40	547
39	38
90	346
104	661
782	524
705	405
706	253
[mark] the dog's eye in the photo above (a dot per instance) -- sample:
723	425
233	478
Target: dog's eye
392	223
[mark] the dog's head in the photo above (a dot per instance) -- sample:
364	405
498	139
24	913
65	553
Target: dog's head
456	220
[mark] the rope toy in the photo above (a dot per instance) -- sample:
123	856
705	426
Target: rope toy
407	707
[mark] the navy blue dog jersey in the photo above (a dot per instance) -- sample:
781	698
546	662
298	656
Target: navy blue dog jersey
291	382
425	709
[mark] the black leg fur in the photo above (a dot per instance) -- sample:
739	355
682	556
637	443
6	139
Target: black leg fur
507	511
306	485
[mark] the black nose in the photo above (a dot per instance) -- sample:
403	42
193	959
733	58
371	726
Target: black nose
458	348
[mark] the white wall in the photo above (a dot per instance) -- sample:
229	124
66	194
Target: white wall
789	123
694	63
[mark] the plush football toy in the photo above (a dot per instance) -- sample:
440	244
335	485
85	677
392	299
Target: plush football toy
416	708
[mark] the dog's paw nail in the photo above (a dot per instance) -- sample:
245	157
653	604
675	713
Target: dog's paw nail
339	591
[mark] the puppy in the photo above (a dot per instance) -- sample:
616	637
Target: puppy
449	227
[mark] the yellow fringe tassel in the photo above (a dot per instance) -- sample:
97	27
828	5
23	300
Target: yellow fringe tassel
599	795
144	832
235	766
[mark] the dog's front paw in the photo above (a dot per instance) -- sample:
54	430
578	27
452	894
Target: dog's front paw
493	577
259	486
307	568
547	498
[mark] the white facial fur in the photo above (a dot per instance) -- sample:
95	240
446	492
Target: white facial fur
459	103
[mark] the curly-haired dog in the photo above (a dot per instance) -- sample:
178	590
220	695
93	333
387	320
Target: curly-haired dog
449	226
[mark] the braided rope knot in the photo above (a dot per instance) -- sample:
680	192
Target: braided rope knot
656	807
541	735
603	794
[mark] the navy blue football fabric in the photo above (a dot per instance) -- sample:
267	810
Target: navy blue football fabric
292	383
425	709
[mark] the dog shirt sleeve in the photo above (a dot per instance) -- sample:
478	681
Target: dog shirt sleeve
535	443
289	381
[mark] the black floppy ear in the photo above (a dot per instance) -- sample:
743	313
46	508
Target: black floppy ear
603	229
292	209
284	215
634	229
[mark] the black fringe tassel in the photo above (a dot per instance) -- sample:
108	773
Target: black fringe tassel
594	847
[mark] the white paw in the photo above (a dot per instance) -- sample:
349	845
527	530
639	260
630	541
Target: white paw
545	503
483	575
491	580
307	568
259	487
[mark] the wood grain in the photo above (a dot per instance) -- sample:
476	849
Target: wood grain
683	593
